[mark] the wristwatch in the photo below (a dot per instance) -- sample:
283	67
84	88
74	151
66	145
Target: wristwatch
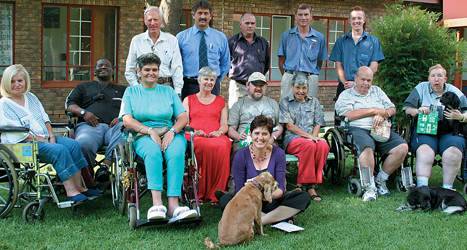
274	136
174	130
83	112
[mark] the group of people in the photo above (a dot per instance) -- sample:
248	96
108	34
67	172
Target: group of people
182	75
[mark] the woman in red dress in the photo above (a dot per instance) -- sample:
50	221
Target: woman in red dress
208	116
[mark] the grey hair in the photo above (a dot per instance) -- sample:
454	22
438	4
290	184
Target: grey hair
247	13
300	79
153	8
206	71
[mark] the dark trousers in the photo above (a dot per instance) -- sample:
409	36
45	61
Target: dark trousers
340	88
191	86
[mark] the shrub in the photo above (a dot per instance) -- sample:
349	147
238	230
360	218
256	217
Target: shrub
413	40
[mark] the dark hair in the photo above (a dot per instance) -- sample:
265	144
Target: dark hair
303	7
201	4
262	121
148	59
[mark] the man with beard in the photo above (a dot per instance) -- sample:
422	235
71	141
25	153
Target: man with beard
202	46
247	108
97	104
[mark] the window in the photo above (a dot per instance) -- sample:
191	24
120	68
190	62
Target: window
270	27
73	39
186	20
331	28
6	36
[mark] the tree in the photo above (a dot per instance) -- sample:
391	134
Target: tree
413	40
172	10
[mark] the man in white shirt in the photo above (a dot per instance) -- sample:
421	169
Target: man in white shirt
164	45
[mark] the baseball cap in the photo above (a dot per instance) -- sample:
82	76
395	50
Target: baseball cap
256	78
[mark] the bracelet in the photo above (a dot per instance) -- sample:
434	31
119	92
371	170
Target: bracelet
149	129
463	118
173	130
139	130
220	130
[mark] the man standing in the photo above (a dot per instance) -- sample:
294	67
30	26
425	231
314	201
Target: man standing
301	49
164	45
366	105
248	53
355	49
202	46
97	104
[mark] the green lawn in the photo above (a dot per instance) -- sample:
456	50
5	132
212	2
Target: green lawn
340	221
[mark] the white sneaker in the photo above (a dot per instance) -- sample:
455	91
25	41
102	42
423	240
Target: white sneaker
370	194
381	186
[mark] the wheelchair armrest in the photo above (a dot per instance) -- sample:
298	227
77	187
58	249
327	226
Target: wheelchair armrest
127	131
6	129
72	120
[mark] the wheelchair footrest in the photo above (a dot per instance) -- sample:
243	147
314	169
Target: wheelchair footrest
65	204
146	222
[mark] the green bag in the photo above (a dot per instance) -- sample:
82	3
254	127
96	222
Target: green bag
428	124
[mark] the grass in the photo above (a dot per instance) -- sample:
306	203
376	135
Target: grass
340	221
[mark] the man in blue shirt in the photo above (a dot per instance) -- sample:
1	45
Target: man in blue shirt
355	49
189	41
301	49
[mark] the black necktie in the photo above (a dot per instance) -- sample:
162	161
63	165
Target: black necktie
203	51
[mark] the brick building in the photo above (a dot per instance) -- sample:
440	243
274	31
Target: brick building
59	41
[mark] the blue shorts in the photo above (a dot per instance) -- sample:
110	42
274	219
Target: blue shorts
438	143
363	139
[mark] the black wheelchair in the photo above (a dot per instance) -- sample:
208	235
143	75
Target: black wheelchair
128	185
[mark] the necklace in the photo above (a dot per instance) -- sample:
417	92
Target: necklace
260	158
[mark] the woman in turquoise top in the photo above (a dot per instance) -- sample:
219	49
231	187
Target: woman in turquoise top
148	107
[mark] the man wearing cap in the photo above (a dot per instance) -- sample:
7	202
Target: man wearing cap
301	49
302	116
246	109
164	45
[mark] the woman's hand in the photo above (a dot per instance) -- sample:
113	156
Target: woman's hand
315	138
425	110
199	133
168	138
215	134
453	114
155	137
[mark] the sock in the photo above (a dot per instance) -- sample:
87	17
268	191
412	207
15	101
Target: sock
372	182
382	175
447	186
422	181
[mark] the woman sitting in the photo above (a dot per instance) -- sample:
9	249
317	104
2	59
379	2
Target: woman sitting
259	157
151	109
208	116
449	146
303	118
20	107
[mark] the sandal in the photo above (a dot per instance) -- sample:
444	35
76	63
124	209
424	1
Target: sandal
157	212
314	197
183	213
214	204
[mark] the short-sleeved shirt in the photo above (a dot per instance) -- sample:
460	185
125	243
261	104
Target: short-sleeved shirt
353	56
245	110
247	58
303	54
351	100
153	107
423	96
106	109
305	115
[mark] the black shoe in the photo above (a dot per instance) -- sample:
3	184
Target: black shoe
102	175
219	193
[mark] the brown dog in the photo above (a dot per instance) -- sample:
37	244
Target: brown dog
244	210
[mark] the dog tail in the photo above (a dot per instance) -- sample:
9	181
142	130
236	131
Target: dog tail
210	245
454	210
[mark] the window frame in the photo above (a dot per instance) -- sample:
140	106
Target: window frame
13	35
71	84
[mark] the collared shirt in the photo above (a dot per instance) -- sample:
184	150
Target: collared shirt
247	58
305	115
353	56
218	51
166	48
424	96
303	54
350	100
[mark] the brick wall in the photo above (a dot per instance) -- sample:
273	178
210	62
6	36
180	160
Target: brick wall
28	23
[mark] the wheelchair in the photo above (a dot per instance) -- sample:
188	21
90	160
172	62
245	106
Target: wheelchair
128	187
341	143
410	159
23	178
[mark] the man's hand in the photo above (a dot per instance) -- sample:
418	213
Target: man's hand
113	122
91	119
383	113
378	120
424	110
348	84
243	136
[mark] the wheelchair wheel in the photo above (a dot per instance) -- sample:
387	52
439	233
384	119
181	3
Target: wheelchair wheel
31	214
132	217
334	168
465	189
118	168
9	187
354	187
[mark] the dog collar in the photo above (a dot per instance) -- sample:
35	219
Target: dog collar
257	185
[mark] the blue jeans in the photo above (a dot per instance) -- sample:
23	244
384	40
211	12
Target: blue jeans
65	156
